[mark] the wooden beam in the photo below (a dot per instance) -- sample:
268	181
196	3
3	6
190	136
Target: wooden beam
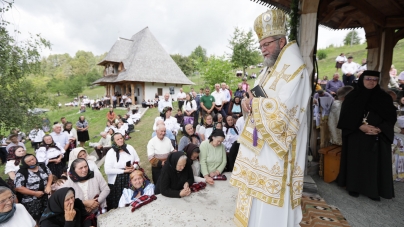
396	5
330	14
345	22
369	10
394	22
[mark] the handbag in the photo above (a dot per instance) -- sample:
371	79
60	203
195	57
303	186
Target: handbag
188	120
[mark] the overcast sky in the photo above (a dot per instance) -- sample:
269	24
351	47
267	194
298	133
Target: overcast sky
179	25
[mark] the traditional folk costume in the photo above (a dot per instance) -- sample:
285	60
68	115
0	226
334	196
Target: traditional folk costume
270	165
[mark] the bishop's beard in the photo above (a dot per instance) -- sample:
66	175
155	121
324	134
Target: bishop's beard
270	60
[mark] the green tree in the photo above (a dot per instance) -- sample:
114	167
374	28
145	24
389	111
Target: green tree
18	60
73	86
243	47
186	64
352	38
199	54
216	70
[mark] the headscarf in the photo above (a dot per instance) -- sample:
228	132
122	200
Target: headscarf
76	151
228	127
68	130
56	208
190	100
216	132
117	148
47	146
81	120
173	160
189	150
141	189
5	217
11	155
361	100
163	113
75	177
215	124
25	166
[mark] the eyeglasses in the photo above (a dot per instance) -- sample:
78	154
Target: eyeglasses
267	44
372	79
6	200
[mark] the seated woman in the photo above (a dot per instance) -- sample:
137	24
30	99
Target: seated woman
11	213
206	129
33	182
189	137
139	186
15	154
80	152
118	165
213	155
235	107
192	152
64	210
90	186
51	154
176	177
218	118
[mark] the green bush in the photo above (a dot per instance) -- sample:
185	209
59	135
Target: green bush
321	54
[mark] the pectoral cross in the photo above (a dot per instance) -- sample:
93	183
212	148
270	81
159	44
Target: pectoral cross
280	75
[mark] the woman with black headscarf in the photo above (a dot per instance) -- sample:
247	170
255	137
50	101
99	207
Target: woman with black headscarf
64	211
192	151
176	177
51	154
33	185
89	185
82	131
119	163
189	137
367	122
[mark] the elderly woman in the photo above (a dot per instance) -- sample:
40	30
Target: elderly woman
176	177
82	131
15	154
119	163
64	210
189	137
206	129
90	186
230	132
51	154
192	151
139	186
33	182
13	214
235	107
213	155
80	152
367	122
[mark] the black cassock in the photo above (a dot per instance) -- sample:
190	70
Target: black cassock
366	160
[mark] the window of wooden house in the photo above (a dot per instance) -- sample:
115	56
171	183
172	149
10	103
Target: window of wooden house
160	91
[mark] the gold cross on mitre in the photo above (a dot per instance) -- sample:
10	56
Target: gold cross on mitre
280	75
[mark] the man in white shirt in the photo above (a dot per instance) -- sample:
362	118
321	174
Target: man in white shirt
165	102
219	99
158	149
349	69
181	98
59	136
227	98
103	145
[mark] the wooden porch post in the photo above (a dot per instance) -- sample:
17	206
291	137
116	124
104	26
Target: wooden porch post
132	93
306	40
386	56
106	90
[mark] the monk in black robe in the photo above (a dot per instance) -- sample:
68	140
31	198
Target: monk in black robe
367	122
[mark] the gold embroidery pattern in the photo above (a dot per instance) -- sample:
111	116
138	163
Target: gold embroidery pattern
258	181
279	125
243	206
280	75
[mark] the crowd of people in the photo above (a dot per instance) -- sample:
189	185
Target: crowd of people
61	185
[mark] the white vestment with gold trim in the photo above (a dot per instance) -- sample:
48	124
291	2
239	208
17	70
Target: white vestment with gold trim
270	175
